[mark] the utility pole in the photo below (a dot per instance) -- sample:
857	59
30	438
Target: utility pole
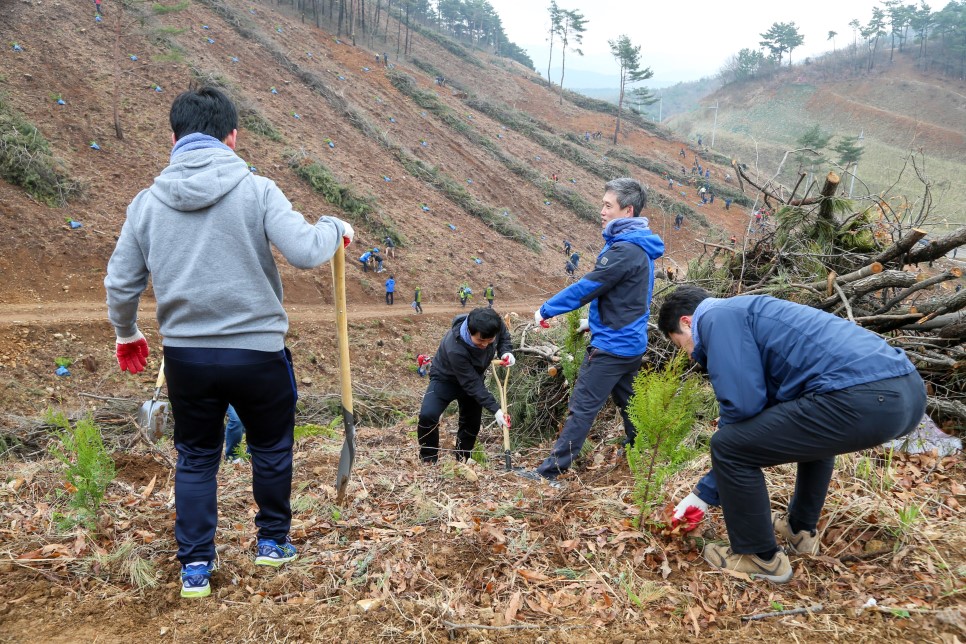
855	170
660	108
714	125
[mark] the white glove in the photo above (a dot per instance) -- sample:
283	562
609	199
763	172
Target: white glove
502	419
539	321
583	326
689	512
348	233
508	359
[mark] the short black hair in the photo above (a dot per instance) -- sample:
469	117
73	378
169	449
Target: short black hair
484	321
629	192
205	110
683	300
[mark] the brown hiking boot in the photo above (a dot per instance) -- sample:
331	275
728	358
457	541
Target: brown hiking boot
778	570
803	542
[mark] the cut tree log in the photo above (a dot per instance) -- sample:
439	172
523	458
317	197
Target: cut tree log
955	330
952	273
938	247
885	279
936	307
825	210
948	408
901	247
872	269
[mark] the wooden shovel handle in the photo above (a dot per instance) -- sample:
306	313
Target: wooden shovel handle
159	383
342	327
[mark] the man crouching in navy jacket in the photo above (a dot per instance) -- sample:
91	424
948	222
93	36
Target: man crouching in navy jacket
619	292
794	385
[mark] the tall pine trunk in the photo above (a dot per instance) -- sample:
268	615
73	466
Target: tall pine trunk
117	73
550	58
563	67
408	5
620	105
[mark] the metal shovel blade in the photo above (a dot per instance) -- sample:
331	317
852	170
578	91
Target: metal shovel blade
153	419
347	457
153	415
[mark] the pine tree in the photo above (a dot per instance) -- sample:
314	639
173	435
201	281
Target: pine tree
572	27
663	410
629	58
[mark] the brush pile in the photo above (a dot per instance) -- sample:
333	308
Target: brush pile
869	260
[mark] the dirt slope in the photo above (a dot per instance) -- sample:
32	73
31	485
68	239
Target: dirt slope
41	256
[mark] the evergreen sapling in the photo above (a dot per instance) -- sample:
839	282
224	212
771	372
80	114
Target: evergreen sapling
663	410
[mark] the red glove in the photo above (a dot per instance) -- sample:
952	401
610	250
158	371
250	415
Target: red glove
689	513
539	319
132	353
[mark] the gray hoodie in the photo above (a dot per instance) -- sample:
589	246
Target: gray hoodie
204	232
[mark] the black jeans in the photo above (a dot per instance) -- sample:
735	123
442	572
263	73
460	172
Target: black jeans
261	387
810	431
439	395
601	375
389	297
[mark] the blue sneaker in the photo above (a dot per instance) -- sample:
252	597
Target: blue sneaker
272	553
195	578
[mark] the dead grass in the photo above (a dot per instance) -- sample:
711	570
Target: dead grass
425	546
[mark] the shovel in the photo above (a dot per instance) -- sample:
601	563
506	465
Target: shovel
501	385
348	455
153	415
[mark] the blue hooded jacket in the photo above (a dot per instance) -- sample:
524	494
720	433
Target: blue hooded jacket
761	351
619	288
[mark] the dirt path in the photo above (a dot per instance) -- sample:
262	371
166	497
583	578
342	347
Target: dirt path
74	312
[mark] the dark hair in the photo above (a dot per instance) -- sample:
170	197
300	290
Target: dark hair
629	192
682	301
484	321
204	110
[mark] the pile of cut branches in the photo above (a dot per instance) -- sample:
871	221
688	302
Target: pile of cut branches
869	260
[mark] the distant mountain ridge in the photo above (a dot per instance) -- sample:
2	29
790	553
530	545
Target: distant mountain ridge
898	110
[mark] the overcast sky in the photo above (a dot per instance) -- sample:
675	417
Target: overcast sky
681	40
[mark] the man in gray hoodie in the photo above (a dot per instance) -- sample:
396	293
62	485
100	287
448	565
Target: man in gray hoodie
203	233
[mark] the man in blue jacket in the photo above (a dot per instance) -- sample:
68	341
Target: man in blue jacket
364	260
619	293
794	385
390	290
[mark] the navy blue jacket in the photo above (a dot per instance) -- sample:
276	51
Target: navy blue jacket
619	288
760	351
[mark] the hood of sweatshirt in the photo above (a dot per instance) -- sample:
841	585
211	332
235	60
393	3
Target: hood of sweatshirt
197	179
636	231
